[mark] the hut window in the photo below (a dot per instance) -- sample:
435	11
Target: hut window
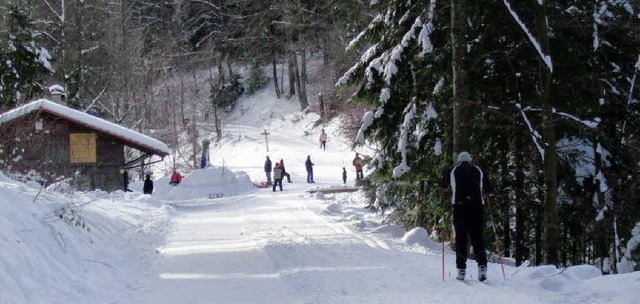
39	124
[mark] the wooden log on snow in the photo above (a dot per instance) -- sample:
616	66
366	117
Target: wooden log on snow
333	190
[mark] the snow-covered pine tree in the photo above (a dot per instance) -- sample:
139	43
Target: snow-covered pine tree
504	59
24	61
403	75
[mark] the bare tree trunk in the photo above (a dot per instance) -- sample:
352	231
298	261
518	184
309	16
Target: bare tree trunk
182	99
519	203
506	230
214	105
459	134
419	220
460	90
303	68
194	139
301	82
292	64
230	69
275	76
551	185
539	212
321	104
549	133
282	73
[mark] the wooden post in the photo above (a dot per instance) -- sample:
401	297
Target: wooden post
266	138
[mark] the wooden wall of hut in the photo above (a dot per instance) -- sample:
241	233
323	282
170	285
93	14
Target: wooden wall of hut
47	152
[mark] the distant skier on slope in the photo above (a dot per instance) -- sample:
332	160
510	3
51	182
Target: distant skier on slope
309	166
148	185
267	169
344	175
125	179
323	140
203	161
277	177
468	184
357	162
284	171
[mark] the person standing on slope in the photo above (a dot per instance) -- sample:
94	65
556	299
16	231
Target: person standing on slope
147	188
176	178
125	180
277	177
284	172
267	169
344	175
468	184
323	140
357	162
309	166
203	161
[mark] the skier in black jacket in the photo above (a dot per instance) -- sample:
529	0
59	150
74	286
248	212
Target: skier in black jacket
469	184
148	185
267	169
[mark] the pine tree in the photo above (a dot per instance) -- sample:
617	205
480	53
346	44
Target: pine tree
532	80
25	62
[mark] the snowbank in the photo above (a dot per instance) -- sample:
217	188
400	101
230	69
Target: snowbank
74	248
202	183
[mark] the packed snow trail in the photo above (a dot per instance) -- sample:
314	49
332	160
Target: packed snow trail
268	251
285	247
295	247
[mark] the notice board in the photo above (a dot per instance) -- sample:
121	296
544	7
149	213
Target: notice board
82	148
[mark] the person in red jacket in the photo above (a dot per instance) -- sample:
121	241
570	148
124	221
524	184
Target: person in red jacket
176	178
357	162
284	172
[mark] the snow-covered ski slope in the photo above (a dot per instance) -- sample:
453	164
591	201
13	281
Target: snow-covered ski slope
250	245
259	246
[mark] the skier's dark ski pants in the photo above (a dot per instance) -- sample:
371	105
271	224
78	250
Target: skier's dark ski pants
468	220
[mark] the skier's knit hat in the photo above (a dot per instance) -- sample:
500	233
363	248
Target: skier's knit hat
464	156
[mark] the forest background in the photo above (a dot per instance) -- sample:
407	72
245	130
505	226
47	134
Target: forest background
543	95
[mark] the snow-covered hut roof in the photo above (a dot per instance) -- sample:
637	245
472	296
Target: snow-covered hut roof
126	135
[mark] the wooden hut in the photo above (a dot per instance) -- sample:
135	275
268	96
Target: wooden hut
54	142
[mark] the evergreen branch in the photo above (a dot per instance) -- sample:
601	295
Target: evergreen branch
544	57
535	136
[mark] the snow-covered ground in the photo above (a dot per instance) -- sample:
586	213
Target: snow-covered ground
252	245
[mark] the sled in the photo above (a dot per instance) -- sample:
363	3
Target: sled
215	195
263	185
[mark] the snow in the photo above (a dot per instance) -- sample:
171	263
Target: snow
367	120
587	123
425	34
633	245
385	94
403	168
439	85
44	57
85	119
391	69
252	245
56	89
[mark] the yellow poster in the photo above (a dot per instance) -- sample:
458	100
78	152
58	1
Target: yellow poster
82	147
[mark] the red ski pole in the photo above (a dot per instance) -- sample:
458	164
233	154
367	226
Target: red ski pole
495	234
